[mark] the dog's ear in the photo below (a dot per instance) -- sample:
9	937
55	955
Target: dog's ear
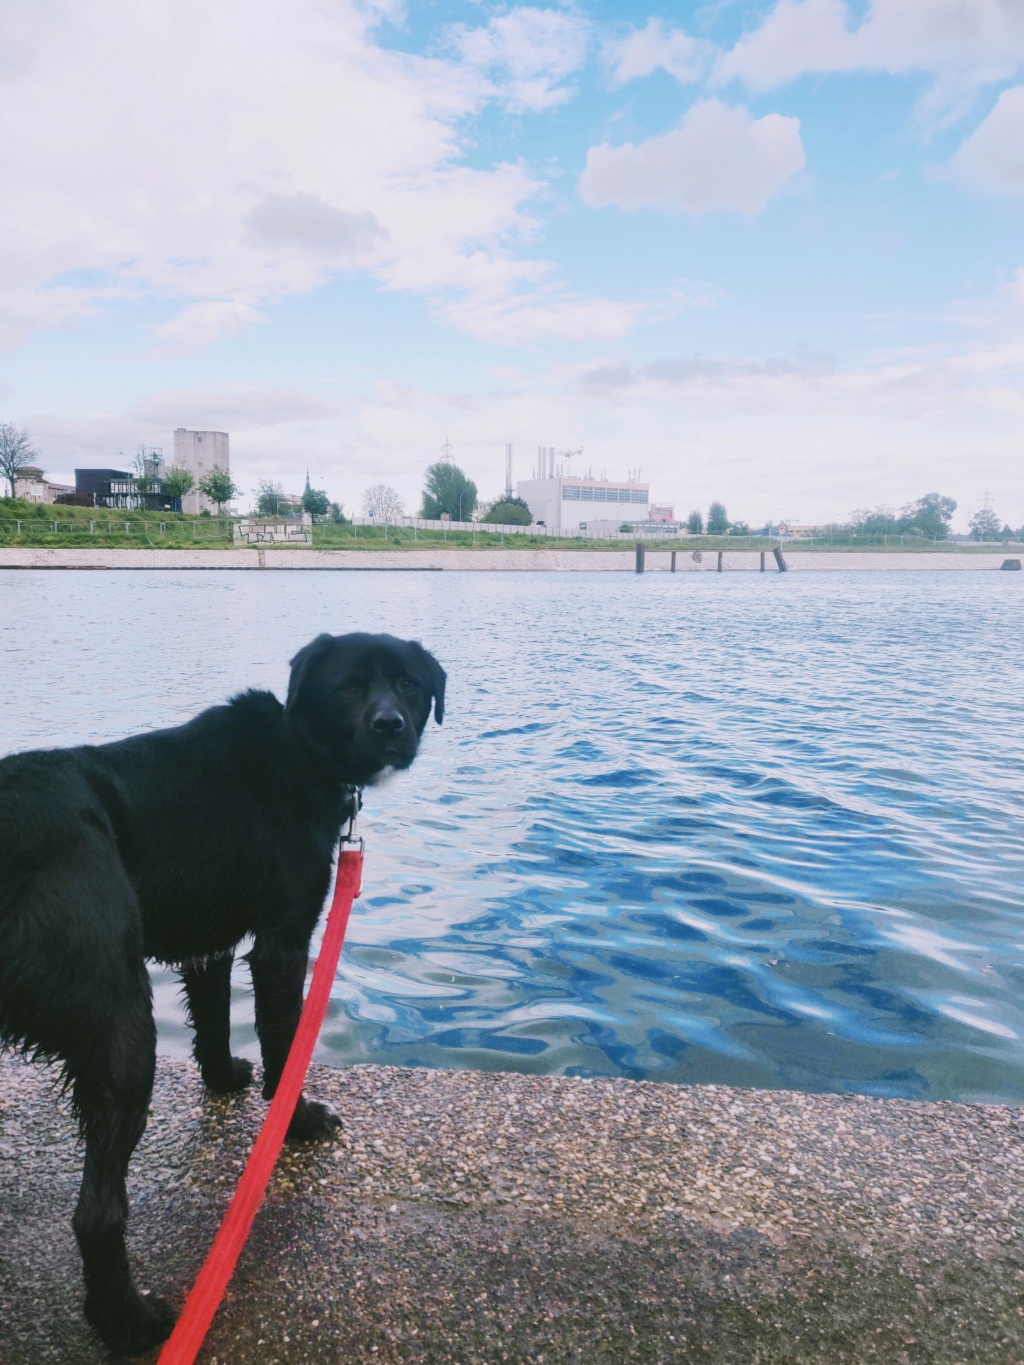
303	665
438	678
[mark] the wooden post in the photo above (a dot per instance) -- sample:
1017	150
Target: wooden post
673	568
639	556
762	561
783	566
721	555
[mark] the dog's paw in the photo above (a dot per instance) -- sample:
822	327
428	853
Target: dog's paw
226	1080
312	1122
134	1327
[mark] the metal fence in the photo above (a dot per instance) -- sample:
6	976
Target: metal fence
202	530
207	530
632	534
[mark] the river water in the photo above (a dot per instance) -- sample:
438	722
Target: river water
757	829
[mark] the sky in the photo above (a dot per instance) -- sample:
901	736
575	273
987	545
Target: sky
768	253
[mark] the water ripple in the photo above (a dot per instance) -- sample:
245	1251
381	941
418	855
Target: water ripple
757	829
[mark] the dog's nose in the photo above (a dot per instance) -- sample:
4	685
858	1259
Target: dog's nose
388	722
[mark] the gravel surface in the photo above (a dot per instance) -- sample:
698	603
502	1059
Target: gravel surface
478	1217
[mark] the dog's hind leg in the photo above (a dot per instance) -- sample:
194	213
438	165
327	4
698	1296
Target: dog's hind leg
111	1088
277	976
208	992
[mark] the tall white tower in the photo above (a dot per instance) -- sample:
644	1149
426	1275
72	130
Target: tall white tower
198	452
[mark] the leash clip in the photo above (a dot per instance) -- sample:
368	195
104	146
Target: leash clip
348	835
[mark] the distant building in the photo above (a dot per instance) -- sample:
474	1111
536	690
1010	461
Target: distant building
32	487
662	514
569	502
118	489
198	452
114	488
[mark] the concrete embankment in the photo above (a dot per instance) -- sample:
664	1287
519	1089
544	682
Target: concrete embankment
479	1217
658	561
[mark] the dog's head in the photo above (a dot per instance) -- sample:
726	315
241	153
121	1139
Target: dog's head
365	699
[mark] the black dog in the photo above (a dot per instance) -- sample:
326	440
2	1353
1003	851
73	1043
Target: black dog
174	845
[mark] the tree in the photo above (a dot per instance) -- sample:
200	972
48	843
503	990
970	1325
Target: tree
337	513
178	481
219	487
929	516
447	489
383	503
695	523
140	470
738	528
984	525
16	452
316	502
874	521
718	519
506	511
268	498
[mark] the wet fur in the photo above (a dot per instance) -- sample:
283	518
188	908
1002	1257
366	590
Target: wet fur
175	845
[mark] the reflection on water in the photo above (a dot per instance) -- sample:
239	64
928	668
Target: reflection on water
757	829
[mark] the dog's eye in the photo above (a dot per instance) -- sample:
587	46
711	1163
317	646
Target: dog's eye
406	685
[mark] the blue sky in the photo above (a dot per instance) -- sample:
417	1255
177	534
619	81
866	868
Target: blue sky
771	253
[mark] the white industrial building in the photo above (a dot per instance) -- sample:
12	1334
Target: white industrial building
571	503
198	452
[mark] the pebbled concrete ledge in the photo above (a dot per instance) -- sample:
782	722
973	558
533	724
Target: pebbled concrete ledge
489	1217
518	561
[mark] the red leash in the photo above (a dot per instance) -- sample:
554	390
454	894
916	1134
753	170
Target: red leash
184	1342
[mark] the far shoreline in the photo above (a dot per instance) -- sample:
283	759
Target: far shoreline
797	560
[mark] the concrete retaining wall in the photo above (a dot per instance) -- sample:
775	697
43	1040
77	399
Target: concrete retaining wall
621	561
129	559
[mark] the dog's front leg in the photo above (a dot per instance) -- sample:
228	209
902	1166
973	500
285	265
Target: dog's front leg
278	973
208	991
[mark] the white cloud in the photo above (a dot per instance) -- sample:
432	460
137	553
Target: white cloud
992	158
963	43
798	36
237	410
645	50
718	158
680	372
893	394
528	52
306	222
552	314
24	308
146	164
203	323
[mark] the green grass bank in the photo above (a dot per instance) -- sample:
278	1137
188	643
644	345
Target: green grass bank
26	525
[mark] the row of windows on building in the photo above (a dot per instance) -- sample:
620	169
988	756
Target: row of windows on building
571	493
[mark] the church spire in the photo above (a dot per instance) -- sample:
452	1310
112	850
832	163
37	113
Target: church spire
308	489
